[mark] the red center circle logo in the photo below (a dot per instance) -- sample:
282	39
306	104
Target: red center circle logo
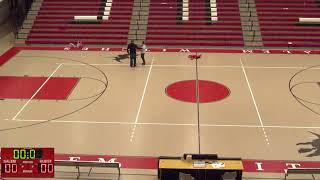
209	91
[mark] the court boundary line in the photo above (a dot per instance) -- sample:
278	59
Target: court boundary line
170	124
247	67
254	102
141	101
38	90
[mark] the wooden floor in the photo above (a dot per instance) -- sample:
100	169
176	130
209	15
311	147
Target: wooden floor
260	119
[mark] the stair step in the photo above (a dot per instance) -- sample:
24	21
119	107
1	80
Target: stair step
20	42
24	31
250	24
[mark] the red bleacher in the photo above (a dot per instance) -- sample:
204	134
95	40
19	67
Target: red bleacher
164	29
279	23
54	23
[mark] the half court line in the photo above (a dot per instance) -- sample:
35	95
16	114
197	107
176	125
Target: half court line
44	83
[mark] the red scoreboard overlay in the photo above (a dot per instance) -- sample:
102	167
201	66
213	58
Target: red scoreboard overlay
27	162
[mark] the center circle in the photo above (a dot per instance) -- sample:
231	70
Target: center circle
209	91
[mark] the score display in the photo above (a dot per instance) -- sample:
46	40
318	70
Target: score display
27	162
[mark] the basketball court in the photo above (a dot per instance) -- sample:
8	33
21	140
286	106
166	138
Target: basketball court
255	106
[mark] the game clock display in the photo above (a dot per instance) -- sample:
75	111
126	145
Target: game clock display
27	162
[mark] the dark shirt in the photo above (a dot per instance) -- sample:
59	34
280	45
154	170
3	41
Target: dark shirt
132	48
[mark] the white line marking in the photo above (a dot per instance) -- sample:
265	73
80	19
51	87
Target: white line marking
154	65
254	101
25	105
168	124
62	121
294	127
192	66
178	65
142	98
108	64
275	67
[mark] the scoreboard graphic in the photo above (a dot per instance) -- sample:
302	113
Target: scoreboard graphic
27	162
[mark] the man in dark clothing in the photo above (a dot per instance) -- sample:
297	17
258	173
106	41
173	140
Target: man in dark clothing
132	50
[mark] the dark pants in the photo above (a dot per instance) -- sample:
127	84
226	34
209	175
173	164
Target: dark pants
133	59
142	57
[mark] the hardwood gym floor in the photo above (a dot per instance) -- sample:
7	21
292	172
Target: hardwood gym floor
118	110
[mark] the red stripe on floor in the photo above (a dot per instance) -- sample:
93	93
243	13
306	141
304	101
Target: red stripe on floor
140	162
13	51
136	162
276	166
19	87
191	50
57	88
8	55
130	162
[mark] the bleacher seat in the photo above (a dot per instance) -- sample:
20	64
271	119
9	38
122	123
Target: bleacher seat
55	22
279	23
166	28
